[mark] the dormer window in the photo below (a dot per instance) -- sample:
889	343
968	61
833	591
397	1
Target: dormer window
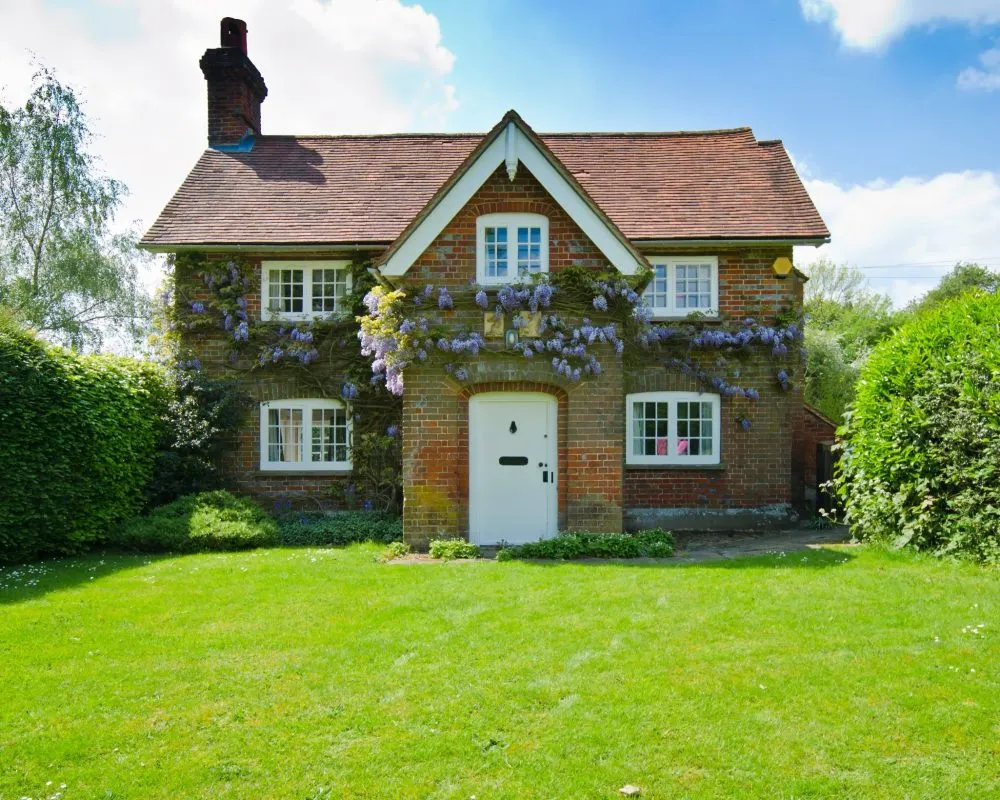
301	290
511	247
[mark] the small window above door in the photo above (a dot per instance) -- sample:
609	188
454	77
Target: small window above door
511	247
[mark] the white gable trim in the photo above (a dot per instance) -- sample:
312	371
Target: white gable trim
510	147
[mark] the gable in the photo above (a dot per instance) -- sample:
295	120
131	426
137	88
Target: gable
511	144
451	259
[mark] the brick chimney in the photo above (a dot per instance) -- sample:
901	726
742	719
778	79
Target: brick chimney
235	86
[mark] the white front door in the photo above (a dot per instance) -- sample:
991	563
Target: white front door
513	458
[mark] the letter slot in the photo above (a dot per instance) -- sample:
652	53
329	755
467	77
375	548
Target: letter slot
513	461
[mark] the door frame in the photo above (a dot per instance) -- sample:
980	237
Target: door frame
475	474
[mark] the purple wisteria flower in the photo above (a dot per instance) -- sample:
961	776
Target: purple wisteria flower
348	391
482	300
746	424
392	430
444	299
198	307
600	303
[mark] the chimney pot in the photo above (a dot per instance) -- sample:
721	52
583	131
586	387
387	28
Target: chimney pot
233	33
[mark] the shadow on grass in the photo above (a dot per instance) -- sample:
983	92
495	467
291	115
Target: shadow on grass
20	583
819	558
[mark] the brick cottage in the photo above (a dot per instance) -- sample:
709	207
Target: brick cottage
599	425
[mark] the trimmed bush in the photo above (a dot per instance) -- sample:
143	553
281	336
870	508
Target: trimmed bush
921	465
200	522
78	444
450	549
322	530
655	543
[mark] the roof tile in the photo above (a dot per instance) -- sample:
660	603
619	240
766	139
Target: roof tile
366	189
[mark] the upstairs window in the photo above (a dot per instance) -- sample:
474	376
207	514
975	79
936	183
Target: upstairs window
305	435
672	428
511	247
682	286
298	290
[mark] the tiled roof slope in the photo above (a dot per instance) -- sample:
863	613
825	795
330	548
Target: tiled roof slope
366	189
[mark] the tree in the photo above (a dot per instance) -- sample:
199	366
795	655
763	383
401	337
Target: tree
830	375
921	466
846	318
61	269
963	278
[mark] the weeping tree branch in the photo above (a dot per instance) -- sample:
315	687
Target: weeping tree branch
61	267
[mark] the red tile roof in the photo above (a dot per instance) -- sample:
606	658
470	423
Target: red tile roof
303	190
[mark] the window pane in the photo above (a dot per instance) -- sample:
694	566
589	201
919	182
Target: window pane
649	428
284	435
656	295
695	427
529	259
693	286
285	290
496	252
328	287
329	435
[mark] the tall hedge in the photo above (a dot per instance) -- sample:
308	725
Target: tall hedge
921	467
78	437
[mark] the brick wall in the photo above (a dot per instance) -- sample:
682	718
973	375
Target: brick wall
758	467
755	468
814	429
241	465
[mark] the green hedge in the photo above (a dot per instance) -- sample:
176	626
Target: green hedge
199	522
655	543
321	530
921	467
79	436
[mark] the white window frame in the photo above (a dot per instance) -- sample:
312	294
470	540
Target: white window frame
673	398
308	465
670	311
510	221
307	268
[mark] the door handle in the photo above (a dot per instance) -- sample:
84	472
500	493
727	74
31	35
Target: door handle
545	476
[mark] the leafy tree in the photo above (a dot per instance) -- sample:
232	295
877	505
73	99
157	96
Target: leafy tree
61	269
830	375
846	318
963	278
921	467
839	299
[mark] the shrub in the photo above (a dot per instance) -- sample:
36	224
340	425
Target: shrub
199	424
395	550
654	543
321	530
448	549
921	466
198	522
78	444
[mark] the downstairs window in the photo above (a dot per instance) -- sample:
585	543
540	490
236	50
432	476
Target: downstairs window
305	435
672	428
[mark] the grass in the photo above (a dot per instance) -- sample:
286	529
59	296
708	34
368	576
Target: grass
323	674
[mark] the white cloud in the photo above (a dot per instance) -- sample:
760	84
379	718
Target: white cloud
337	66
985	77
920	227
871	24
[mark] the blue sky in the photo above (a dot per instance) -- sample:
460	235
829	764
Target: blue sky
851	115
890	108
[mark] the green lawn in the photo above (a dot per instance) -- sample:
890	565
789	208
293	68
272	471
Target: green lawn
323	674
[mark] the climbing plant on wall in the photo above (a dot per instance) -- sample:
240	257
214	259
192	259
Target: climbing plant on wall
570	320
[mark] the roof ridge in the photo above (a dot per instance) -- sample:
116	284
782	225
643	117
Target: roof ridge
480	134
